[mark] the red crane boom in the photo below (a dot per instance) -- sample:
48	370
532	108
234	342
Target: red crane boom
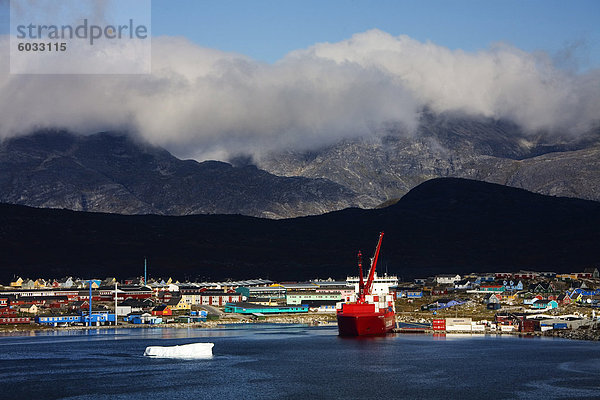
368	286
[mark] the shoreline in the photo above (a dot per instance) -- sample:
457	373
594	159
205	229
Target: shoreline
310	320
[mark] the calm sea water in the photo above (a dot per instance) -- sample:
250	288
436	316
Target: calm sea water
295	362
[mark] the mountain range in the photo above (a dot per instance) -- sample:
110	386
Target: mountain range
443	225
110	172
387	166
119	173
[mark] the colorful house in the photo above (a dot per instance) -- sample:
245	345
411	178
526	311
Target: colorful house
564	299
492	298
565	277
492	288
17	283
414	294
216	298
163	310
542	287
177	303
39	284
30	309
28	284
513	286
544	304
66	283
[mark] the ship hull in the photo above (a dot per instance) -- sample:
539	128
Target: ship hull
365	324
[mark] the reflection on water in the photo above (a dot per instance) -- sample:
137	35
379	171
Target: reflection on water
266	361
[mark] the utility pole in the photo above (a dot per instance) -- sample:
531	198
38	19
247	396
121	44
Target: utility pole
90	312
116	303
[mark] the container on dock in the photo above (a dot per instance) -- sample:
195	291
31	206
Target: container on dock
458	324
530	325
439	324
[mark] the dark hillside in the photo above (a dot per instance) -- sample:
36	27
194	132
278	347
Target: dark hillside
443	225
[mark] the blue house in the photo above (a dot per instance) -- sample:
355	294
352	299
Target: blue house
544	304
414	293
512	286
200	313
145	318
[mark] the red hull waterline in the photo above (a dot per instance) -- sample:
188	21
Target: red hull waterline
350	324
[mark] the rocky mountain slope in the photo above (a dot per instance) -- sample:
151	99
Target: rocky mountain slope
389	165
114	173
442	226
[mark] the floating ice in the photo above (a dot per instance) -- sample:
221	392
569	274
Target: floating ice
193	350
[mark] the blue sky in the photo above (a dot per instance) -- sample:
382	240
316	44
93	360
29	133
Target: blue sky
266	30
205	104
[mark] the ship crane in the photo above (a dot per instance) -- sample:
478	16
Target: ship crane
365	289
368	315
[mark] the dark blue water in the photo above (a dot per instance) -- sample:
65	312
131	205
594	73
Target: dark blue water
295	362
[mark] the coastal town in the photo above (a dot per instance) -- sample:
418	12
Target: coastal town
524	302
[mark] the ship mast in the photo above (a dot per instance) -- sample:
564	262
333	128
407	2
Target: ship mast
365	289
361	282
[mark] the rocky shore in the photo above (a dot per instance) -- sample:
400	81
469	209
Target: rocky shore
590	333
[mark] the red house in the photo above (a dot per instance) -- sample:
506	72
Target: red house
564	299
162	310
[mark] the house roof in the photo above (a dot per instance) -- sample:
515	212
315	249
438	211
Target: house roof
173	301
134	303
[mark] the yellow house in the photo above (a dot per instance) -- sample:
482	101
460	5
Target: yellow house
39	284
566	276
177	303
509	298
17	283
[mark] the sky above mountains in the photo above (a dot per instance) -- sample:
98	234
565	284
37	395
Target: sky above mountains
249	77
268	30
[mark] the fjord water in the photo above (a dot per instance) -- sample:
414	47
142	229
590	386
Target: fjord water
265	361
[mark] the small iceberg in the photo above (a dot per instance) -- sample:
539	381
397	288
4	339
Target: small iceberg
194	350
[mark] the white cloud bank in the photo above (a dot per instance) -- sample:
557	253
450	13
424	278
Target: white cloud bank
205	103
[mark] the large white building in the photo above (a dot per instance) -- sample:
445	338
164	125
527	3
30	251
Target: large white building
447	279
381	284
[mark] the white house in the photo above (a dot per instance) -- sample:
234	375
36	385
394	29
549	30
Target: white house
447	279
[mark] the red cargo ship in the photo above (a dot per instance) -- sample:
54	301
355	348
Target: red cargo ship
369	314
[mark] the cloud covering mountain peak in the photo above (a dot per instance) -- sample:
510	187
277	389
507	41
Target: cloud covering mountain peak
205	103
